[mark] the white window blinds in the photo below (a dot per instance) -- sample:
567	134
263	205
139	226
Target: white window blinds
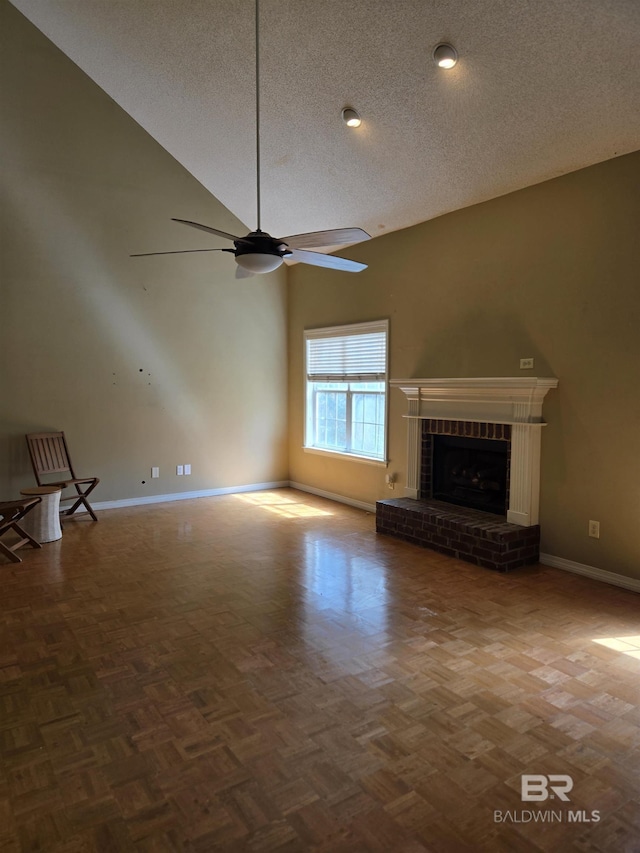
357	353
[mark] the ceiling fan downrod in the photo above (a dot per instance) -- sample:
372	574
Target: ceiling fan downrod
258	251
258	113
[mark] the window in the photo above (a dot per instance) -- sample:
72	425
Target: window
346	379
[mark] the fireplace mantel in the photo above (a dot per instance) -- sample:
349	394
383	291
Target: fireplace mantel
503	399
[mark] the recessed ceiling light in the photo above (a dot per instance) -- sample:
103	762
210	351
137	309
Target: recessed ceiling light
445	56
351	118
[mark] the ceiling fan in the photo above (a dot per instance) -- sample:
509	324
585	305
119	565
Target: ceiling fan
259	252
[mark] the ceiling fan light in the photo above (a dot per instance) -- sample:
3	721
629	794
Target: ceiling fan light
257	262
445	56
351	117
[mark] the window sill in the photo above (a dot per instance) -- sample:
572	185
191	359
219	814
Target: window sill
353	457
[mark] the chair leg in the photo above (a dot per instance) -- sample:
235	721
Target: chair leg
87	506
82	499
25	539
8	552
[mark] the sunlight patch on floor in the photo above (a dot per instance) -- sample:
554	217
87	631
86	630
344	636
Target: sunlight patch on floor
627	645
283	506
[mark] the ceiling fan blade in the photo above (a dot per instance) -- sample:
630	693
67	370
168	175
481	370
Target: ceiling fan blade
177	252
208	229
241	272
332	237
317	259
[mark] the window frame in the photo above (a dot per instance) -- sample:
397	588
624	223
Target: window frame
310	422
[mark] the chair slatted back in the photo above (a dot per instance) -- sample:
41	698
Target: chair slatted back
49	455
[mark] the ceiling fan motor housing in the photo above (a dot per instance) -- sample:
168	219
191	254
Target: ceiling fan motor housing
259	242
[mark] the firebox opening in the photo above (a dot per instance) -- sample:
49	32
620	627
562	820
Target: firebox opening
470	472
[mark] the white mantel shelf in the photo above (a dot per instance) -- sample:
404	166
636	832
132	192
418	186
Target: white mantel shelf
500	399
511	400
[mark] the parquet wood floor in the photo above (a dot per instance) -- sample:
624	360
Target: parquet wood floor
263	673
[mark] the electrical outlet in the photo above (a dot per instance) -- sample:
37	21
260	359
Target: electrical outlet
155	472
594	529
179	470
526	364
187	470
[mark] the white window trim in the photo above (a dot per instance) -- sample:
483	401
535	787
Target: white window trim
367	460
338	331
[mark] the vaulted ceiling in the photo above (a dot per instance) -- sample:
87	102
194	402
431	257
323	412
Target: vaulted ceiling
541	88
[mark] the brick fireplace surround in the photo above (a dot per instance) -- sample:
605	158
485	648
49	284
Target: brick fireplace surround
502	408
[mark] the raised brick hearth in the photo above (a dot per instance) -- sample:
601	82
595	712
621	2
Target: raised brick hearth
478	537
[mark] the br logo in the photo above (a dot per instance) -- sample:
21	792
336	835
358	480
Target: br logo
536	788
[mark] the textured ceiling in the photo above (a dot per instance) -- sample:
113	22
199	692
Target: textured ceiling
543	87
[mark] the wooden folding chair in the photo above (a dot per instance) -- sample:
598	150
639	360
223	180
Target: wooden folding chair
11	512
49	455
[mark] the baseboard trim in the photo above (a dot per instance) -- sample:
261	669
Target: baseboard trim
185	496
590	572
301	487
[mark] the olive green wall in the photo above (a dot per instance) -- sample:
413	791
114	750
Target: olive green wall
142	361
553	272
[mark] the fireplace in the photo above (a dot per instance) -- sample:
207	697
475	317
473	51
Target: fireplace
473	469
469	472
465	463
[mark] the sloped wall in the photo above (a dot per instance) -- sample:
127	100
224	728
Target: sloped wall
142	361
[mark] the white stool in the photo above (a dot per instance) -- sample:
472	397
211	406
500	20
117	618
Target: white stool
43	522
